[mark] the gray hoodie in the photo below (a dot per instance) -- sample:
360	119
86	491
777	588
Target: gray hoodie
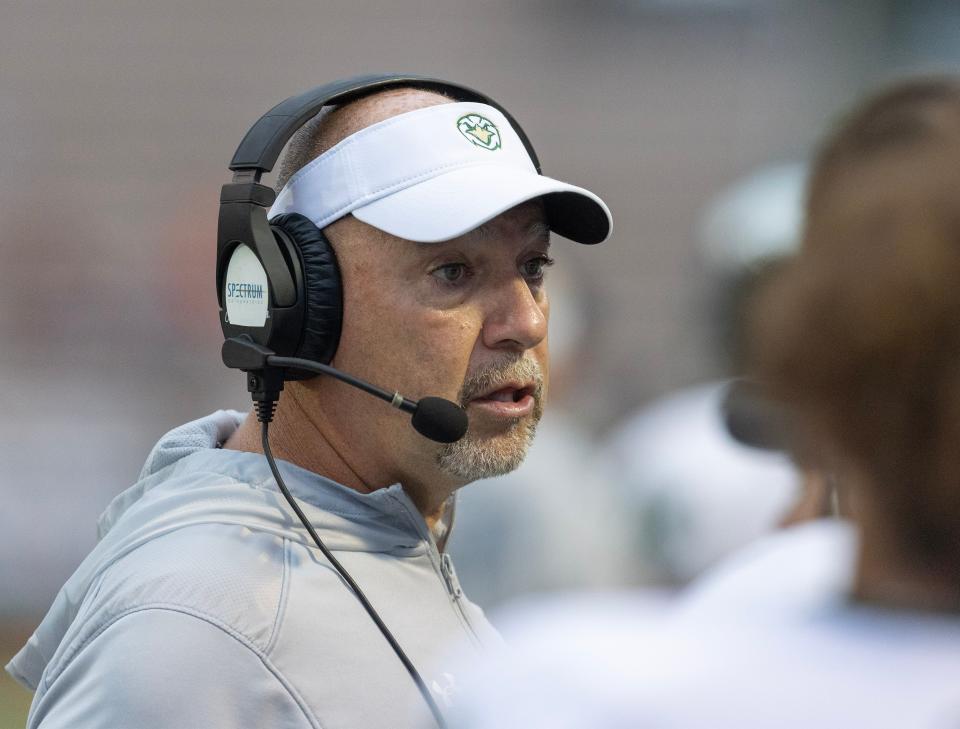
205	604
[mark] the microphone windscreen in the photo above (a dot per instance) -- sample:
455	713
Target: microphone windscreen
440	420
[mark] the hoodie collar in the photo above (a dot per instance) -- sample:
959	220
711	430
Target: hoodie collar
190	454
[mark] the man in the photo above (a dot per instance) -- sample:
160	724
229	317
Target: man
205	603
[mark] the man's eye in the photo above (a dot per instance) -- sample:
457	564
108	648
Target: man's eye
534	268
451	273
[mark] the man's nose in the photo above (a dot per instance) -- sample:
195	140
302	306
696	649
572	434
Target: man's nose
516	319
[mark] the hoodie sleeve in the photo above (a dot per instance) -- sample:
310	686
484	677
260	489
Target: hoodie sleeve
162	667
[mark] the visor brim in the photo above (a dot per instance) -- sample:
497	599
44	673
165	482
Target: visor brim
456	202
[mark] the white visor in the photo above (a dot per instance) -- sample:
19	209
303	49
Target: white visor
436	173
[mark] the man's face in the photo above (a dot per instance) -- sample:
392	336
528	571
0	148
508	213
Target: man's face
464	319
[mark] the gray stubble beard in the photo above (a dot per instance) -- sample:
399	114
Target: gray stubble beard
472	458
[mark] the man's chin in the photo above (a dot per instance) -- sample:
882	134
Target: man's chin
490	448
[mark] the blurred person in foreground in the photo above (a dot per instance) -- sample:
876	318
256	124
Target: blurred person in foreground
860	339
205	603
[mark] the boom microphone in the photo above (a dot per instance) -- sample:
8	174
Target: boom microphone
433	417
439	420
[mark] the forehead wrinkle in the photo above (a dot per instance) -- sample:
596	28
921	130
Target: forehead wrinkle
537	230
480	233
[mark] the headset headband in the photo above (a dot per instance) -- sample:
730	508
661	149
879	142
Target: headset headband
261	147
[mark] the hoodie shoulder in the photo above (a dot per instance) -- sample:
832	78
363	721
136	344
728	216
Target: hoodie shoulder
228	574
206	530
163	667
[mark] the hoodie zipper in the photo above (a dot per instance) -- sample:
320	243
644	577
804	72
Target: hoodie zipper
450	576
447	572
455	593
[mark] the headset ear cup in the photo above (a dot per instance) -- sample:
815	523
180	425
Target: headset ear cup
323	294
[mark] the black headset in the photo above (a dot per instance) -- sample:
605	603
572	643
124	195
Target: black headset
303	300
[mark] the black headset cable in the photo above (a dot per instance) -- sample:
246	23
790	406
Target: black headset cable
265	410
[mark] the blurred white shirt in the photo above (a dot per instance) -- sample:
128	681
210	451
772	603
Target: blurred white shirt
692	492
803	657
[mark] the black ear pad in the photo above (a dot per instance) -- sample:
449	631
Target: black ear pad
323	294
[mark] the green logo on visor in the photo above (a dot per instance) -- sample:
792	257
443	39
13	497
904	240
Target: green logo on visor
479	130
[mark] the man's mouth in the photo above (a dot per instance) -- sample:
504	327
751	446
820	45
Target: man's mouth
509	401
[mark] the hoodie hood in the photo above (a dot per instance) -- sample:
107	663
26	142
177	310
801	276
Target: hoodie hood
188	480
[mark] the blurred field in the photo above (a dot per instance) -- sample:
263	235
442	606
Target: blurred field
14	699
